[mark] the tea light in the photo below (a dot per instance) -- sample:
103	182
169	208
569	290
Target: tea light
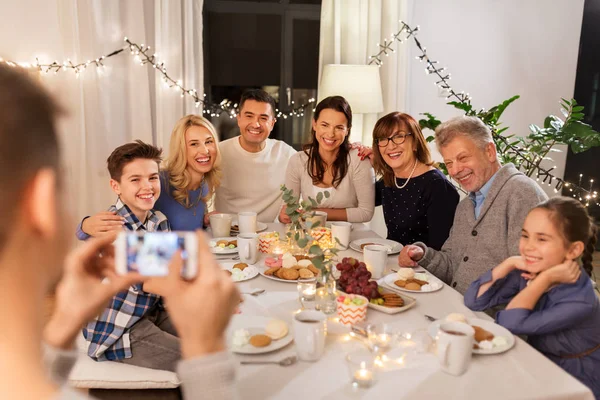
361	366
307	289
381	337
309	292
363	377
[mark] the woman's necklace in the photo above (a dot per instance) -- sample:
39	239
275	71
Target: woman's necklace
410	176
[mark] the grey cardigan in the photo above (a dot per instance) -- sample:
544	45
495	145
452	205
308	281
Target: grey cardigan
476	246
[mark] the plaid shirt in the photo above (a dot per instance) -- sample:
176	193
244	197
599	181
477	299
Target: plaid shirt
108	334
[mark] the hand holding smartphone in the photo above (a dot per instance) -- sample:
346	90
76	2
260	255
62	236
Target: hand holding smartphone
149	253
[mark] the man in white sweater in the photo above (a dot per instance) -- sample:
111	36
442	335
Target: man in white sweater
253	165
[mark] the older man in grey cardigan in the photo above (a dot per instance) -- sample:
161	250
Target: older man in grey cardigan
487	224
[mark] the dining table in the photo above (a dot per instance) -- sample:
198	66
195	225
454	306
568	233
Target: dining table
519	373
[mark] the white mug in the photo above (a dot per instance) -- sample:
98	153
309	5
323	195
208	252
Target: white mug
375	257
340	230
309	334
248	247
321	217
247	222
220	225
455	347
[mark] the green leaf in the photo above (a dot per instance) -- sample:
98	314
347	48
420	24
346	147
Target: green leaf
467	108
315	224
302	242
313	202
326	193
318	262
577	108
319	197
502	106
430	123
315	249
430	139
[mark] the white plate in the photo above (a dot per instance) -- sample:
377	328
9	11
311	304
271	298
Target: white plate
260	226
250	271
489	326
409	302
388	282
256	326
218	250
393	247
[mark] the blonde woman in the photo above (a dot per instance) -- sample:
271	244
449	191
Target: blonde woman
191	175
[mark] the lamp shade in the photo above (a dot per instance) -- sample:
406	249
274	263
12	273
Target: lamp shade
360	85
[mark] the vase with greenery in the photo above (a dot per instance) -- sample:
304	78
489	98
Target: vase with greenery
299	235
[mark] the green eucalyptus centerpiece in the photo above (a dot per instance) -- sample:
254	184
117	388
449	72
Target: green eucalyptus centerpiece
299	235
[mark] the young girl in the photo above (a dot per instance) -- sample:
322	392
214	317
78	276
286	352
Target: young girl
548	297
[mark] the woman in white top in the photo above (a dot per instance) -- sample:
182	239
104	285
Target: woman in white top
328	163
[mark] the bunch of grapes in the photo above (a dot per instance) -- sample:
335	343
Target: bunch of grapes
355	277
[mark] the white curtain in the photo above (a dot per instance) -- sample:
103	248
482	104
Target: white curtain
122	102
350	32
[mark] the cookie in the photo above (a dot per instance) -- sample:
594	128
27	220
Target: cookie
305	273
417	281
260	340
289	274
240	266
300	257
271	271
400	283
222	242
481	334
412	286
232	243
362	246
313	269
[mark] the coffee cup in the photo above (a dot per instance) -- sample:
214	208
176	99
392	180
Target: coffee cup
247	222
309	334
375	257
220	225
248	247
341	230
455	347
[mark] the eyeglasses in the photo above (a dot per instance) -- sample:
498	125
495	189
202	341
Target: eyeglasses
398	138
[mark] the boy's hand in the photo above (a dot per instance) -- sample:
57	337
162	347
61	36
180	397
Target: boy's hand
567	272
82	292
283	217
103	223
200	309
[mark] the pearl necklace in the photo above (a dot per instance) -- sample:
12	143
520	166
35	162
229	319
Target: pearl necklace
410	176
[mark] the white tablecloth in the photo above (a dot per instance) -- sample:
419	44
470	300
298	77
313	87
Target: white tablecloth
521	373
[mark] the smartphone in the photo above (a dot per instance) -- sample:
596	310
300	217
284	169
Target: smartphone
149	253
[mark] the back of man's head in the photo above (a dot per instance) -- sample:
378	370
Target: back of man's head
123	155
28	140
257	95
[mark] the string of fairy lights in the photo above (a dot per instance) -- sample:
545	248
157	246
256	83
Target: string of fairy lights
432	67
143	55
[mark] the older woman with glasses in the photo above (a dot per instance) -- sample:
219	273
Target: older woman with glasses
328	163
418	201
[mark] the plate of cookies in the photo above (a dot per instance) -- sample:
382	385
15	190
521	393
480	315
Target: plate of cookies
289	268
407	280
392	246
390	302
490	338
224	245
249	334
239	271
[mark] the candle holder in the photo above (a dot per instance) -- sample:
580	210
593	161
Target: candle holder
307	290
381	337
279	247
361	367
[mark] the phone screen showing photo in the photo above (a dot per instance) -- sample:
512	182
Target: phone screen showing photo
149	254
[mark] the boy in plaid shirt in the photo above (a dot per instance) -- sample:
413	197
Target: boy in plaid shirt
135	328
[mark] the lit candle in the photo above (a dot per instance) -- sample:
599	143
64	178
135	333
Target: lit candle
384	339
309	292
363	377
